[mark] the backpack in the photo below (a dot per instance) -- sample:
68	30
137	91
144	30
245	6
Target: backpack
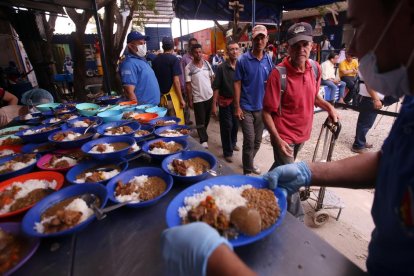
283	76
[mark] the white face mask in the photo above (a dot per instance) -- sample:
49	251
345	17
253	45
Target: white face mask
393	83
141	50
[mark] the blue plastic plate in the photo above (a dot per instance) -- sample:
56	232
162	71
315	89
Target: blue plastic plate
231	180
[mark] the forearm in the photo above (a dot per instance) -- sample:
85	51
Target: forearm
177	87
130	92
357	172
270	125
237	91
215	97
189	92
224	262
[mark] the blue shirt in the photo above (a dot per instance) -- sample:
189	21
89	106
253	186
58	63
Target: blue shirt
253	75
391	251
137	72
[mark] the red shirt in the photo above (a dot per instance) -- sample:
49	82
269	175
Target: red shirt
294	124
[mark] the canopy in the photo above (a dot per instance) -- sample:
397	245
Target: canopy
266	10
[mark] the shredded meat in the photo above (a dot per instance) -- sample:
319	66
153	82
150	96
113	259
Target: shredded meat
150	190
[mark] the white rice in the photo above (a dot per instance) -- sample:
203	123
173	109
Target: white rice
71	137
25	188
227	198
161	150
189	172
71	161
170	122
104	175
55	120
171	133
108	148
16	165
135	148
77	205
118	133
28	117
138	181
80	124
6	152
30	131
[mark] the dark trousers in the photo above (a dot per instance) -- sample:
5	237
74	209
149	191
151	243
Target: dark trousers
366	119
252	126
350	84
294	203
229	126
202	112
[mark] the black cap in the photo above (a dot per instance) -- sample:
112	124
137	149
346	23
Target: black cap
167	41
298	32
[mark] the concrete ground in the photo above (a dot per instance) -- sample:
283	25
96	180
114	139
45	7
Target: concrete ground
351	233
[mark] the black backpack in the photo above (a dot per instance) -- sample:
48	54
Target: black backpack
283	76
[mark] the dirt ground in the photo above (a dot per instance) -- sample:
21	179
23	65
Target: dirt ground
351	233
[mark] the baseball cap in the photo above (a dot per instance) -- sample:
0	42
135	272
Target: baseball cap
167	41
259	29
299	31
134	35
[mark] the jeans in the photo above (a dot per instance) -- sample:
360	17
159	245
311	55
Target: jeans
366	119
332	87
293	201
202	112
252	127
229	126
350	84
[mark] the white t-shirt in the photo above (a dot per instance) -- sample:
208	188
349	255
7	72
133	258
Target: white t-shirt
200	79
364	92
328	70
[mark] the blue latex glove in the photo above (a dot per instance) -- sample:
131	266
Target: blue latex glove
290	177
186	248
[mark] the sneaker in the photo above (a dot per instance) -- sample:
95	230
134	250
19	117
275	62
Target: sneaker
361	150
204	145
236	148
256	170
265	133
369	146
228	159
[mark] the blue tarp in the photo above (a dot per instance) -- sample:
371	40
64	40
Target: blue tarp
266	10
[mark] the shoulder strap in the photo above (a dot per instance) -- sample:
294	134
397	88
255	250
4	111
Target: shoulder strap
314	69
282	79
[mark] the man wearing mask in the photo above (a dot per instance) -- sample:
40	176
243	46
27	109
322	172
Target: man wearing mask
389	71
252	71
138	78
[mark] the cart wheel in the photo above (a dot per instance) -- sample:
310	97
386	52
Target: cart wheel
320	217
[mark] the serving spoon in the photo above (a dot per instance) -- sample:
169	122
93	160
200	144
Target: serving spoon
100	214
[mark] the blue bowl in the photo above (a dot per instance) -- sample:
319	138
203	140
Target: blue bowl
24	170
146	145
125	177
82	109
134	125
34	214
80	168
74	143
159	130
149	128
60	111
185	155
111	115
161	111
98	121
30	148
36	116
52	120
36	137
168	118
144	107
47	106
109	99
110	155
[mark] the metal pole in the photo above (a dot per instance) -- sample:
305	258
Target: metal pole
107	81
253	12
181	36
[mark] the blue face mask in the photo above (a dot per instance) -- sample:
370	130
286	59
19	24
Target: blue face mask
392	83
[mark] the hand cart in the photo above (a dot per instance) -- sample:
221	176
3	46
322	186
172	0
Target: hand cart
324	199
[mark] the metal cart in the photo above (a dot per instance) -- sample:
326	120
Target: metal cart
323	198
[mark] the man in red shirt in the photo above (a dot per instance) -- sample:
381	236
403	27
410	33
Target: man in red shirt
288	115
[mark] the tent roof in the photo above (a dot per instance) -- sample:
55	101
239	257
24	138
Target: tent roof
266	10
53	6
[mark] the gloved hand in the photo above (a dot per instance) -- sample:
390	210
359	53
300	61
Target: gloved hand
186	248
290	177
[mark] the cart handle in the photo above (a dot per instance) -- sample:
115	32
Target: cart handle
334	127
